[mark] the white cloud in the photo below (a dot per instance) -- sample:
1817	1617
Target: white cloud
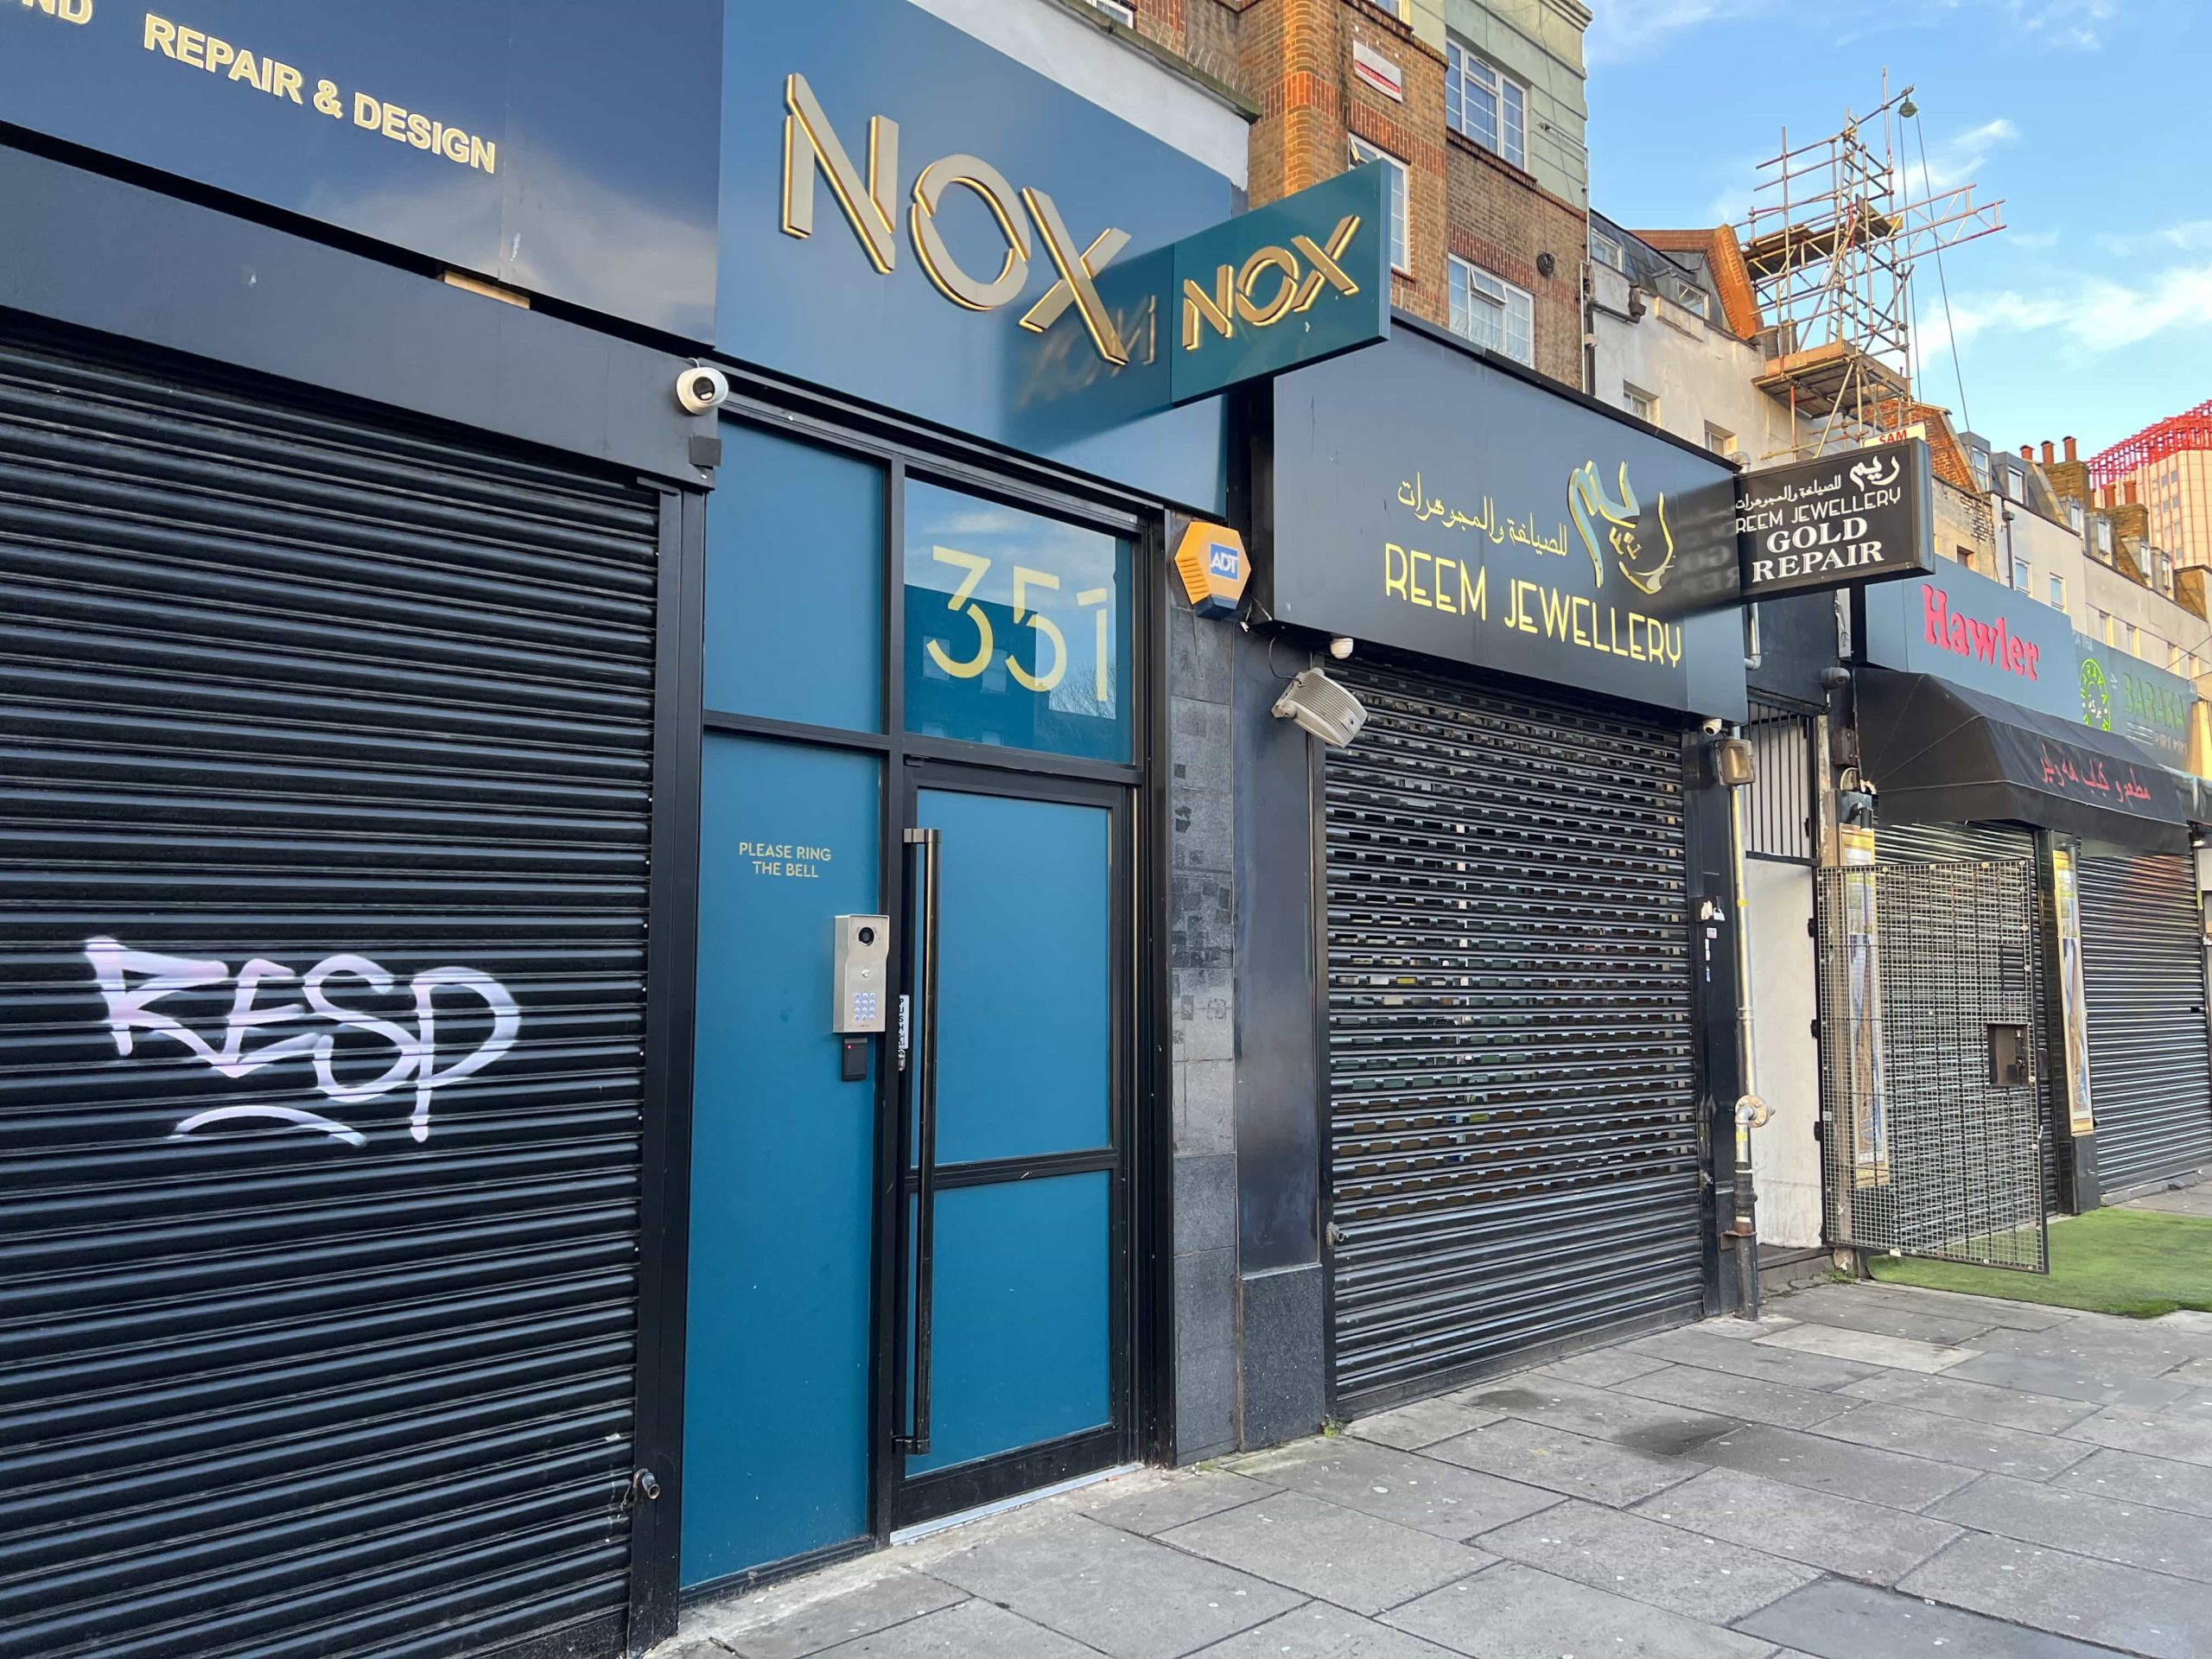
2189	236
1626	28
2085	316
2033	238
1954	161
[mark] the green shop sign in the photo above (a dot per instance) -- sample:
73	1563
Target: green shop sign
2122	693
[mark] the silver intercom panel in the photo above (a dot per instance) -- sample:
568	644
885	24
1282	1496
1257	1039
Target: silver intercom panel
858	969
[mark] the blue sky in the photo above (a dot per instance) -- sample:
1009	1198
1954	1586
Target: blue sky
2092	119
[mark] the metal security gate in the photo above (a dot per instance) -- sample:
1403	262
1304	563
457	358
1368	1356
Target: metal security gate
1931	1126
1514	1157
2143	969
322	900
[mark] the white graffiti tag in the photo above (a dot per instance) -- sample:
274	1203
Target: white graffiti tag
132	980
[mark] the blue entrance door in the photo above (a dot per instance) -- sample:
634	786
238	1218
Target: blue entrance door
1011	1333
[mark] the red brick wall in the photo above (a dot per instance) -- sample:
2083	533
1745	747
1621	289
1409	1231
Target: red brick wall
1502	222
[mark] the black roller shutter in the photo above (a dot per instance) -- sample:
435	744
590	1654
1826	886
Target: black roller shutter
1514	1141
291	696
2143	971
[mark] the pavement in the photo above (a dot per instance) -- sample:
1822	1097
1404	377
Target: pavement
1871	1472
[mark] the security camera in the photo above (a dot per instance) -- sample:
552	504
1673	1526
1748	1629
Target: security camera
1322	708
699	389
1712	728
1340	647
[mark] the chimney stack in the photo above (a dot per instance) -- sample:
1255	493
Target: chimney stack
2049	452
2028	453
2130	492
2071	453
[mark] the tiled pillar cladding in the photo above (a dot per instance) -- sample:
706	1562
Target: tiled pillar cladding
1202	892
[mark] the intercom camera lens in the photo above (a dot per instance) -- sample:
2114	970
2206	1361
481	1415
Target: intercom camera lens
867	936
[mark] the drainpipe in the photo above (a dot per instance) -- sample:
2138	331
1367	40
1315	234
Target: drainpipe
1750	1111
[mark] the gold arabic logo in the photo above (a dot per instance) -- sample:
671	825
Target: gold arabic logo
1644	564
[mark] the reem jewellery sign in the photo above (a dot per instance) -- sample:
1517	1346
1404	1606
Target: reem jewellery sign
1865	515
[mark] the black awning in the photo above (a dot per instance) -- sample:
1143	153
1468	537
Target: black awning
1937	753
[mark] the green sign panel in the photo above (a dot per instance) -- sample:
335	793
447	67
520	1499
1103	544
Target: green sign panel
1291	284
2123	694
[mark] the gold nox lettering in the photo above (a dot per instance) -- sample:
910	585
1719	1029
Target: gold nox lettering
1235	295
811	146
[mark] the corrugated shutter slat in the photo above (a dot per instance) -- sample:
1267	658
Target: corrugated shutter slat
1513	1154
283	684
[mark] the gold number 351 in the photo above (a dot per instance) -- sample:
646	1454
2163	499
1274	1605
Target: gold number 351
963	598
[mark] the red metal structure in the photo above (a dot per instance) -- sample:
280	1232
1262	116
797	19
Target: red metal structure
2192	430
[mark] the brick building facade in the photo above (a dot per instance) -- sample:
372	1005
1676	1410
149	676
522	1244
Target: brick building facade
1321	74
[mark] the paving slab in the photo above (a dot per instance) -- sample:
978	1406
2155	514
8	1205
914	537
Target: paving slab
2069	1379
1319	1632
1699	1346
2197	1374
1825	1465
1123	1595
1559	1461
1833	1620
1606	1369
2184	1201
1409	1428
1869	1348
972	1630
2183	1488
1952	1396
1635	1555
2070	1595
1951	1304
1514	1611
1869	1541
1153	1500
2134	1534
2154	1433
1952	1440
792	1620
1744	1399
1358	1562
2144	1348
1602	1414
1447	1499
1847	1308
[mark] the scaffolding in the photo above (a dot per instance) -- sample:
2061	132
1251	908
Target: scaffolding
2177	434
1834	233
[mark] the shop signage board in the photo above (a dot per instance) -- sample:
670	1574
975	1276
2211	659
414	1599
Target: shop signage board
1861	516
1297	281
1961	626
913	219
2121	692
1425	499
572	155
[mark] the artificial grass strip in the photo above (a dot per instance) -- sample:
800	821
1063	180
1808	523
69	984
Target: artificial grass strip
2140	1263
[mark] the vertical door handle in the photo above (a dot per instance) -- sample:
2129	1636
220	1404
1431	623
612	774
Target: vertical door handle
918	1138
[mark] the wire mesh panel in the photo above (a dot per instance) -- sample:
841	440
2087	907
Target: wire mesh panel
1930	1128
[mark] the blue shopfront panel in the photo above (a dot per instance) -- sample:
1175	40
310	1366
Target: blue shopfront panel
821	308
777	1365
1025	1055
1022	1318
795	548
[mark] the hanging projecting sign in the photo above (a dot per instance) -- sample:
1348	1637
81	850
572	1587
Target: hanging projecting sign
2121	692
1424	498
1866	515
1291	284
567	151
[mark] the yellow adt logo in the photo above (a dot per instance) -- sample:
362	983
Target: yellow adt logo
1644	553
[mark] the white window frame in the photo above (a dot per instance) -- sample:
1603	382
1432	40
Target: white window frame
1606	249
1639	402
2074	516
2024	575
1472	287
2112	629
2056	588
1719	440
1468	76
1402	229
2104	538
1691	298
1118	9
